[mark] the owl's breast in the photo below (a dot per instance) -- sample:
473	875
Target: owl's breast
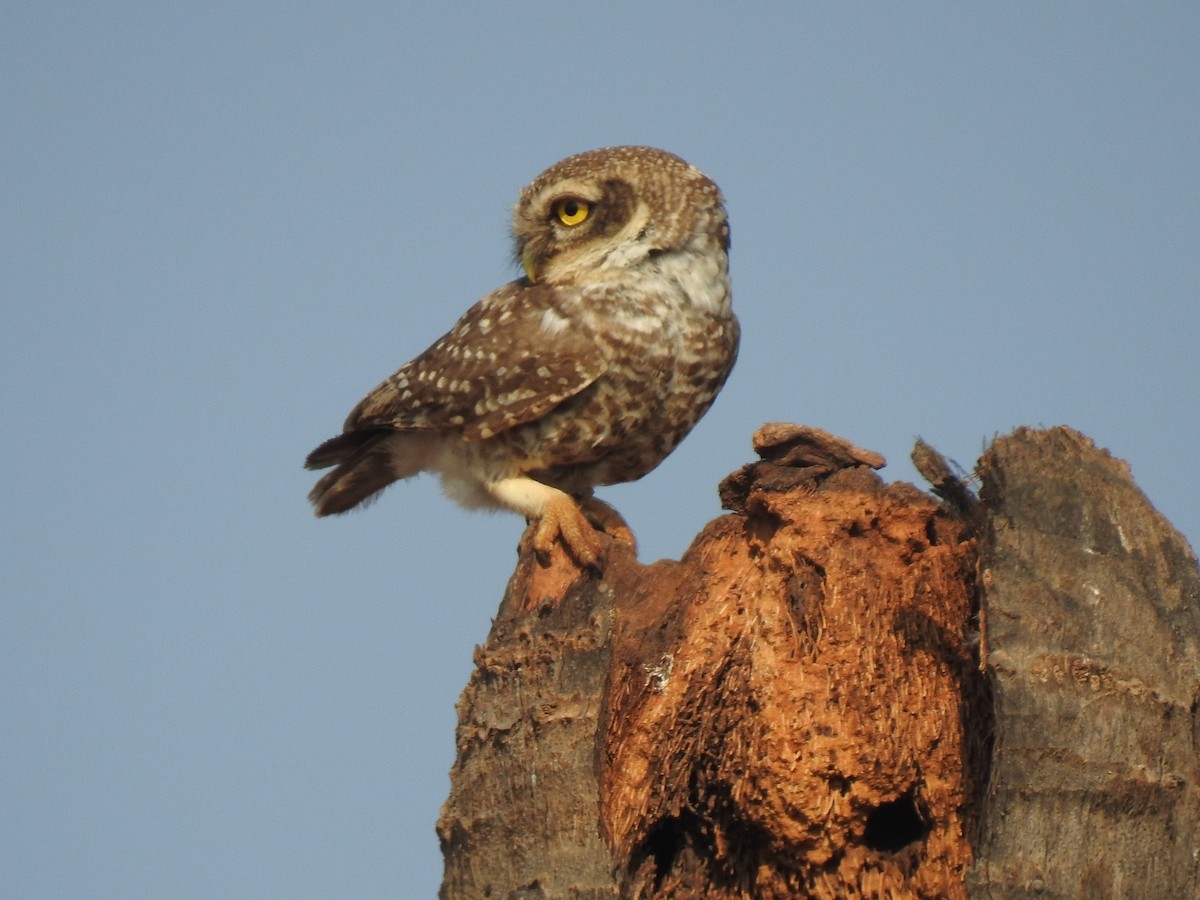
670	340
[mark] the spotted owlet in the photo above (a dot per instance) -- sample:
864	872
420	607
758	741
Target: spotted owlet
588	371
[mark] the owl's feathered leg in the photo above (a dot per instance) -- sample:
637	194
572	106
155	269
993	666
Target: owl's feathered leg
557	515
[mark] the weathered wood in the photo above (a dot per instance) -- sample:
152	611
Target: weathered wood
522	820
788	704
1092	604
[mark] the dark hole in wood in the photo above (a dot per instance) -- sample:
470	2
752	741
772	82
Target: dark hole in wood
894	825
663	844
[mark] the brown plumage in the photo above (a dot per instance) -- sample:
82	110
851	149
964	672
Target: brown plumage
588	371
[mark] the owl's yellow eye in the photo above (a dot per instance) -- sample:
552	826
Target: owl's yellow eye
572	211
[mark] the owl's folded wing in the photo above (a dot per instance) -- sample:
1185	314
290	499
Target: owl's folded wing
511	359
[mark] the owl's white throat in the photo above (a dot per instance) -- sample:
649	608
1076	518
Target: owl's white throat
698	271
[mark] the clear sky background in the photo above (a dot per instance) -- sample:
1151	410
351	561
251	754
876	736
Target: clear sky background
223	223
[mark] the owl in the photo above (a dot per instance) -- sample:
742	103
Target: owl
587	371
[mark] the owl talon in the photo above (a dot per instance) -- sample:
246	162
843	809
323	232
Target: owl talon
563	521
608	520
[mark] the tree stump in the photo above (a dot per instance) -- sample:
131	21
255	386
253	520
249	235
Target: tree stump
798	707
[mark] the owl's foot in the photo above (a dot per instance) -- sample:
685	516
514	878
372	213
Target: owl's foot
556	516
608	520
562	519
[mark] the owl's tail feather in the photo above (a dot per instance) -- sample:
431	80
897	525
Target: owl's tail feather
365	466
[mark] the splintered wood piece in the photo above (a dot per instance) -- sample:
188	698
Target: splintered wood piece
803	445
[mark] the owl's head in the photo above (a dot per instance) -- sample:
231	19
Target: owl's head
615	208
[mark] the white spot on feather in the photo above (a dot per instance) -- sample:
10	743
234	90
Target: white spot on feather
553	322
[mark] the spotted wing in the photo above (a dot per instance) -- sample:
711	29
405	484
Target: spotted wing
509	360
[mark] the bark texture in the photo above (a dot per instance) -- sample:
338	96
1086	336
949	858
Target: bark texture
796	708
1092	611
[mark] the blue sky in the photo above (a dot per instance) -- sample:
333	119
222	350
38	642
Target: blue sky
223	223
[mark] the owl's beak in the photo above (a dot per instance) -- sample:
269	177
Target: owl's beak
528	265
